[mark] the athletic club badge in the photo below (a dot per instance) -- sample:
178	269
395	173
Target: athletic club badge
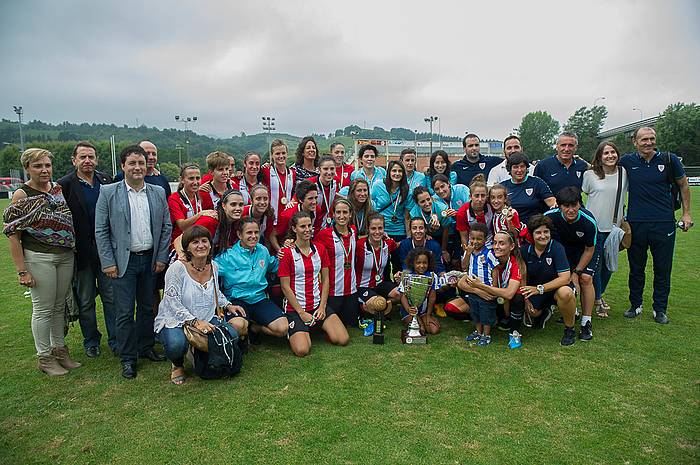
578	174
549	260
482	165
529	192
579	233
262	263
661	167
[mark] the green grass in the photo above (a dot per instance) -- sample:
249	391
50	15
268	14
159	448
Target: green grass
630	396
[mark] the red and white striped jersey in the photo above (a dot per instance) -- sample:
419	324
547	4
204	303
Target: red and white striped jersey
242	185
342	175
326	196
284	221
210	200
304	273
370	264
280	185
466	217
341	260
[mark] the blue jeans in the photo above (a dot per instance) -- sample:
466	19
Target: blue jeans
603	274
87	283
135	336
175	343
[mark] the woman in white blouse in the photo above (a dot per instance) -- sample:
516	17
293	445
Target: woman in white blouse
600	182
191	294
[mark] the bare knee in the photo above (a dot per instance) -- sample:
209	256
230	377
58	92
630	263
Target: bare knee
279	327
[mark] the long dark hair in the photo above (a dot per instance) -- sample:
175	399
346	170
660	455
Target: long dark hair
300	151
224	230
294	221
366	209
403	185
448	165
597	163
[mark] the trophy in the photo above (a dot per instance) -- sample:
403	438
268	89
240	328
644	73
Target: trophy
416	288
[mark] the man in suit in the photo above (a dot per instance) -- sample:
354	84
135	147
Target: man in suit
81	188
132	231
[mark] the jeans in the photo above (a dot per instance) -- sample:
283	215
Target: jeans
87	283
175	343
53	273
603	274
660	239
136	286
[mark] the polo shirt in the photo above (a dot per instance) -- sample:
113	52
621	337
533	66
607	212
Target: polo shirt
90	194
575	236
649	197
547	266
406	245
466	170
557	176
528	196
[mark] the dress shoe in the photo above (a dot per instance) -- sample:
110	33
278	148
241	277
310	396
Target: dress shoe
153	356
129	370
93	352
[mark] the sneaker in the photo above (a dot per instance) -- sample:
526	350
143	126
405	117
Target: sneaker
543	318
474	336
515	340
660	317
569	336
368	330
586	333
504	324
527	319
633	312
484	341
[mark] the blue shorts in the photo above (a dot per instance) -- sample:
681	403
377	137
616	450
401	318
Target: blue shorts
262	313
482	311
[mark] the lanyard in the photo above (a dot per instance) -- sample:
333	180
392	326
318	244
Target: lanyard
346	251
286	188
377	261
331	194
191	209
396	202
360	221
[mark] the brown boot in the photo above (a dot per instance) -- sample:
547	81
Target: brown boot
61	354
49	365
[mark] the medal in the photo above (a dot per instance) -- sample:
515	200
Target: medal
393	218
346	265
329	220
283	200
444	213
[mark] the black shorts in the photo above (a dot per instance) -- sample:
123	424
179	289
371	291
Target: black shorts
546	300
382	289
262	313
347	307
574	256
296	324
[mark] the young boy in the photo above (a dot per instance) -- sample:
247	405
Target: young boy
479	261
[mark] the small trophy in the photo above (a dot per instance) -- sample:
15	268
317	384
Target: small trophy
416	288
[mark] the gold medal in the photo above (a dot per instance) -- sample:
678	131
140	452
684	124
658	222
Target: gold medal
283	200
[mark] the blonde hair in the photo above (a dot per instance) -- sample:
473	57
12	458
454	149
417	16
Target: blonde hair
32	155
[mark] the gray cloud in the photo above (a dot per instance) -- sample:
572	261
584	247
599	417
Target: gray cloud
318	65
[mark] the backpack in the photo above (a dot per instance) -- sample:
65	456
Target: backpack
224	359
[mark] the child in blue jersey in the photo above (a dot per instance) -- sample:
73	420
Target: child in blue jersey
479	261
422	262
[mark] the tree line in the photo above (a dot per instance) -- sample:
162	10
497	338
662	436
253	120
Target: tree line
678	130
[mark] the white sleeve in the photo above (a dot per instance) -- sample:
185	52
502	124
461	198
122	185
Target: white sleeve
171	311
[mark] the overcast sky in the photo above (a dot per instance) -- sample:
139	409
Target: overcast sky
321	65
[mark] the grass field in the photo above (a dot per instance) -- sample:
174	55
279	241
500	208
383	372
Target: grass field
630	396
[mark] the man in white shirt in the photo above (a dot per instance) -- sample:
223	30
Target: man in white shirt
132	232
500	172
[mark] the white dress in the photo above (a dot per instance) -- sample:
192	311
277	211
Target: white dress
185	299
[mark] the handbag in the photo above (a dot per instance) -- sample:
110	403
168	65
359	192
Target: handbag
624	225
197	338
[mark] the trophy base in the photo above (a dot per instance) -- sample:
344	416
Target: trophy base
378	339
406	339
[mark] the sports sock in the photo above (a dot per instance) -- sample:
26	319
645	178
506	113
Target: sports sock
584	320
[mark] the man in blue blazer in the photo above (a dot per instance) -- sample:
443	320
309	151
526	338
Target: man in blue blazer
132	233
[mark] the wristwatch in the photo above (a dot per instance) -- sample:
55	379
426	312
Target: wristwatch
540	288
578	272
